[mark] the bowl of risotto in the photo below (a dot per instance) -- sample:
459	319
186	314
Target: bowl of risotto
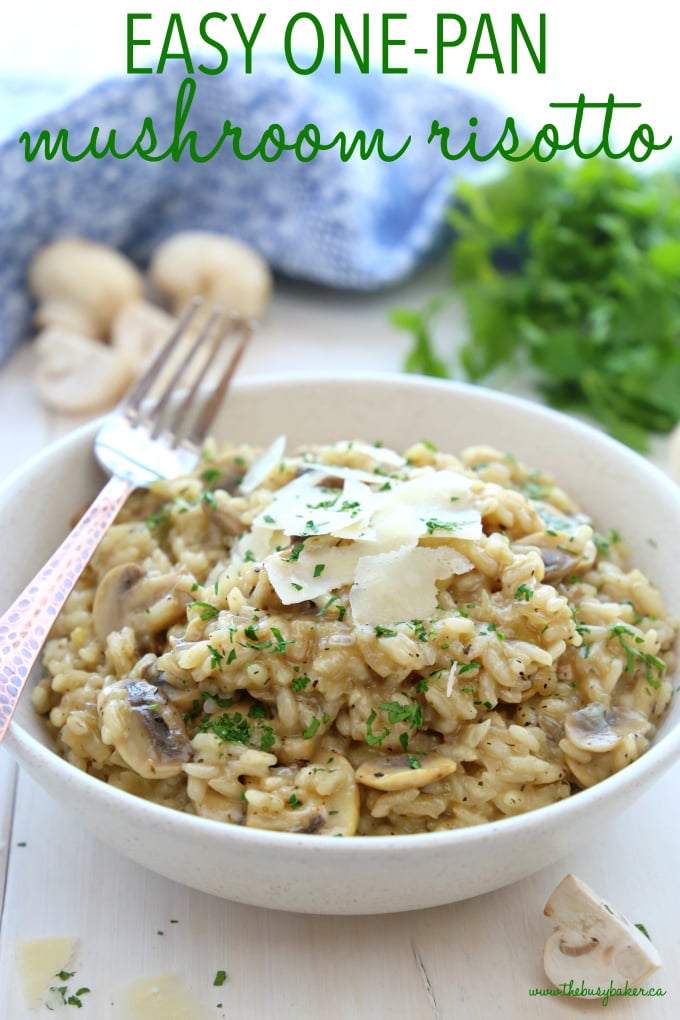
393	643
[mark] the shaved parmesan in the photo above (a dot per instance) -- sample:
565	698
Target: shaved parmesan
318	570
162	997
380	454
264	466
39	961
306	507
402	585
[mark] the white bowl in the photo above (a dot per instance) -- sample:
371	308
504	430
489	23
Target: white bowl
322	874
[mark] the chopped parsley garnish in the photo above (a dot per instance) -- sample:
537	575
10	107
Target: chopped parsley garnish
375	739
209	611
604	543
294	802
215	658
319	569
311	729
384	632
210	475
232	729
299	683
67	998
522	593
634	654
332	600
414	763
294	553
434	524
209	498
465	667
412	715
220	978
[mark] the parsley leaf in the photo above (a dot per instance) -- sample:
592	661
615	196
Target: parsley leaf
569	270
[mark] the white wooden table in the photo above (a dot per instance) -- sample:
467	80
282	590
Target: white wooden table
477	959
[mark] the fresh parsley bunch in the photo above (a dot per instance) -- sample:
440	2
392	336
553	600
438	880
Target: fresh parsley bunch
574	271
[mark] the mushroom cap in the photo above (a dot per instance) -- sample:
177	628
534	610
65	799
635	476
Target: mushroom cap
126	597
82	284
222	269
598	729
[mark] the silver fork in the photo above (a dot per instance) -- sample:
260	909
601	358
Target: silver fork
151	435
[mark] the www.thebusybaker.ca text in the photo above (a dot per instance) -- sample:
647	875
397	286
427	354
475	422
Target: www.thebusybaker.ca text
582	991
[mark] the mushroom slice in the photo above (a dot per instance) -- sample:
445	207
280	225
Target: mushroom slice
219	509
127	597
598	729
404	771
557	564
592	943
146	730
75	374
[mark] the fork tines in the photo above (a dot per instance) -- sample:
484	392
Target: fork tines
167	398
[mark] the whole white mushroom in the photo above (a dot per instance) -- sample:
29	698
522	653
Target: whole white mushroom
81	285
223	270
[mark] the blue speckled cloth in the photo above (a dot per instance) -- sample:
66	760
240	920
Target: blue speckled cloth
357	225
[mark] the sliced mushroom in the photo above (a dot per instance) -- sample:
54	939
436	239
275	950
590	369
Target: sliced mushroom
127	597
557	564
592	943
598	729
76	374
404	771
146	730
219	509
81	285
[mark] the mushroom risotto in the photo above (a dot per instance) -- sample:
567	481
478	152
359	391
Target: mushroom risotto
349	641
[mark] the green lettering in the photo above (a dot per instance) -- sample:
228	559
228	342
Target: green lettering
442	43
288	43
485	24
175	22
248	40
44	140
387	42
222	50
132	42
342	29
518	29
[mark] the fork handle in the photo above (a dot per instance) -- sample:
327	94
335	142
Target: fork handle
25	625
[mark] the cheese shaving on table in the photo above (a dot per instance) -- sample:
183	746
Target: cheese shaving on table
39	961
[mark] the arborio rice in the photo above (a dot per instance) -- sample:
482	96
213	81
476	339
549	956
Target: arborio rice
349	641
